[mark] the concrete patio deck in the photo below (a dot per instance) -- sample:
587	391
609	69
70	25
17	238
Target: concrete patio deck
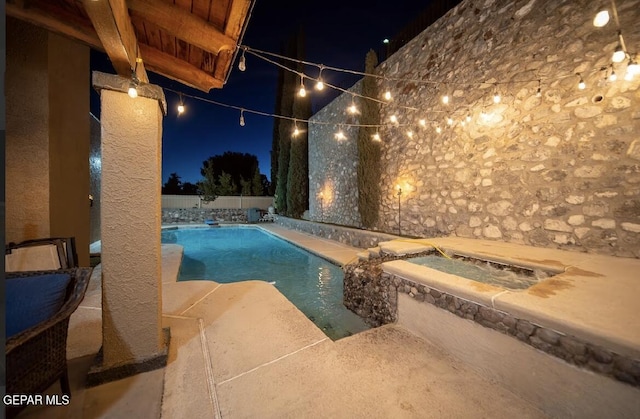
243	350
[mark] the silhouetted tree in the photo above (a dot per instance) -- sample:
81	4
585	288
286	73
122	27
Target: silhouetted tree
189	188
173	185
237	166
275	142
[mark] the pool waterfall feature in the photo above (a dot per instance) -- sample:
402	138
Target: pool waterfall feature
458	315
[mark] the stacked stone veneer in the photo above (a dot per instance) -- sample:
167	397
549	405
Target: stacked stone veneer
198	216
351	236
560	169
373	294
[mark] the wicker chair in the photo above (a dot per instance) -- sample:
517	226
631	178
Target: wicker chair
37	357
17	258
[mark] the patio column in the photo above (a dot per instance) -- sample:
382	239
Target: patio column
133	339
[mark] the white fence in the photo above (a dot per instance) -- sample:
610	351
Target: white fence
221	202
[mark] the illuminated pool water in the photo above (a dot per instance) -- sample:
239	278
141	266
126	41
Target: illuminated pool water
232	254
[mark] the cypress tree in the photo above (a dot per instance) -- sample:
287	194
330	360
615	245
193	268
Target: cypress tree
298	176
284	133
369	152
275	142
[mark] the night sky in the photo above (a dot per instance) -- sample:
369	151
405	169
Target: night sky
338	33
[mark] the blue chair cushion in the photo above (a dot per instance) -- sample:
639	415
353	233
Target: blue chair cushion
33	299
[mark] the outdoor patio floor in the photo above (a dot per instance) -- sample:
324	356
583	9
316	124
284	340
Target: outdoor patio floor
242	350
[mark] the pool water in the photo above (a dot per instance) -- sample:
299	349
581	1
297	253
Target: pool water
232	254
514	278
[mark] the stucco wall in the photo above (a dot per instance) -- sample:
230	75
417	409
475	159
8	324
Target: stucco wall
130	207
561	169
27	138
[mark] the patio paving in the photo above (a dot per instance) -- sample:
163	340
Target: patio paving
242	350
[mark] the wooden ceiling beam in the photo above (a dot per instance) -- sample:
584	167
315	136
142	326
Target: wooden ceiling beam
237	17
113	25
182	24
53	23
154	60
176	69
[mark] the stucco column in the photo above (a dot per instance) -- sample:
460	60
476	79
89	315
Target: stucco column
130	222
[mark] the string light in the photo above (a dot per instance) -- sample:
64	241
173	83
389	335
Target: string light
445	99
613	77
242	64
601	19
422	122
410	134
581	84
319	82
387	95
302	92
133	91
393	118
539	90
340	135
242	117
376	136
449	121
438	130
468	118
352	109
181	106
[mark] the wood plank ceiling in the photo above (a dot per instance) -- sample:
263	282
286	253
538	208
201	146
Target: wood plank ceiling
191	41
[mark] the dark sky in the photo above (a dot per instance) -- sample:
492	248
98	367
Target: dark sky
338	33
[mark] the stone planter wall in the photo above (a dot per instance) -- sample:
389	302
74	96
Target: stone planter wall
373	294
557	169
351	236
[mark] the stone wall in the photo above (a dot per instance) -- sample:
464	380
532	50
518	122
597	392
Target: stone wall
333	170
556	169
373	295
198	215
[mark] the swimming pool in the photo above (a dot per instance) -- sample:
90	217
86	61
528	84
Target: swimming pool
232	254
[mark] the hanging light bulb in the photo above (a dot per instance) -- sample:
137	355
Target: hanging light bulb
633	69
468	118
352	109
133	90
296	131
302	92
180	106
496	95
340	135
242	64
410	134
319	82
422	122
539	91
438	130
581	84
376	136
619	54
601	19
613	76
445	99
393	118
449	121
242	117
387	95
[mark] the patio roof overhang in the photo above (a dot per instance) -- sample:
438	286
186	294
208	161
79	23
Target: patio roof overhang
191	41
